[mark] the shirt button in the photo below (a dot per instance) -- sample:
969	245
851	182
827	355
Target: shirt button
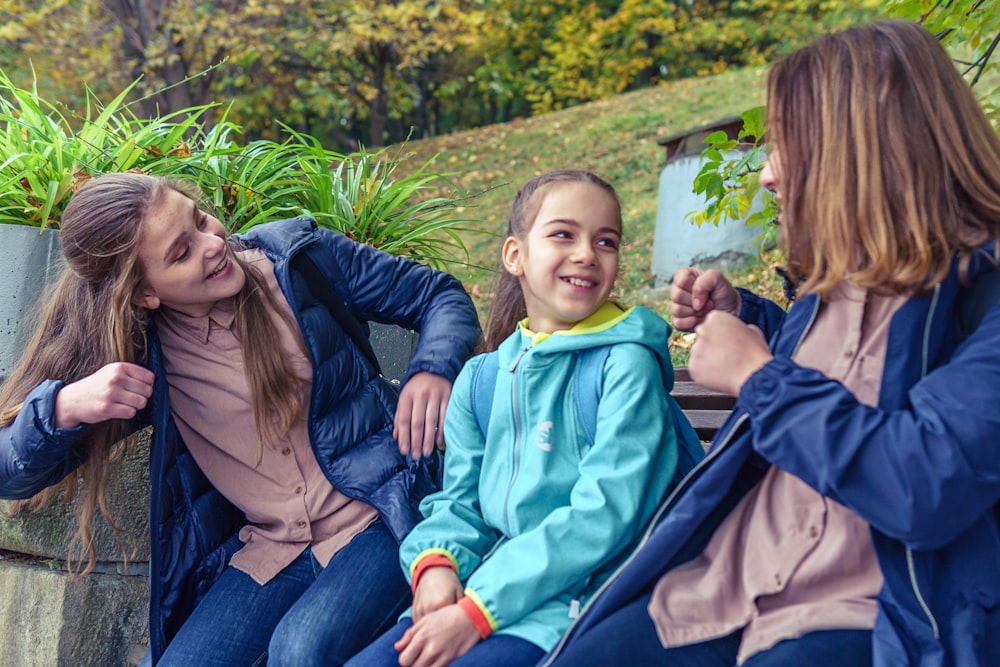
813	532
848	354
777	580
301	523
298	489
285	451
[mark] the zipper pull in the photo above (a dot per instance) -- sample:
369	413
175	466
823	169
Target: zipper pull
524	350
574	609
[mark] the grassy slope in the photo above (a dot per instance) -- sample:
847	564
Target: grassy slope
616	138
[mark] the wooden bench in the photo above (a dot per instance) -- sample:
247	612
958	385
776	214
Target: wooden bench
706	409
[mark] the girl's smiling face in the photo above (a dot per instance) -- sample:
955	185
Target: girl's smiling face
568	260
187	264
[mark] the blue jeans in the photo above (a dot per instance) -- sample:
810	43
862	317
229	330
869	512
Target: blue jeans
628	637
494	651
307	615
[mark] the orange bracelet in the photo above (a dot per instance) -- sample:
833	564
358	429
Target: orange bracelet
476	615
427	562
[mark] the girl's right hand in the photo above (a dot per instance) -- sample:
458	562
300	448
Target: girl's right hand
438	587
695	293
116	391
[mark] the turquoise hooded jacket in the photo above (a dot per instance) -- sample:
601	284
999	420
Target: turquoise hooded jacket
532	517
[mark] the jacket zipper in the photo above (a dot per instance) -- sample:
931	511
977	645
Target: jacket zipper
517	439
684	483
916	591
910	566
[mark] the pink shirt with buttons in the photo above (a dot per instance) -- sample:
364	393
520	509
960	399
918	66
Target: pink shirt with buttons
787	561
288	501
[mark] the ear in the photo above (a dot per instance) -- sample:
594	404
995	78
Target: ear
511	256
147	298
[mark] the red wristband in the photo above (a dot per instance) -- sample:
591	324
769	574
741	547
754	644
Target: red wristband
477	616
427	562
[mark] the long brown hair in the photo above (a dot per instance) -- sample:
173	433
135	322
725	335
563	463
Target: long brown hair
888	166
91	320
508	306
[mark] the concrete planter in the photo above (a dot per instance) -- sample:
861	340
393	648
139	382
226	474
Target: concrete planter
678	242
32	260
47	616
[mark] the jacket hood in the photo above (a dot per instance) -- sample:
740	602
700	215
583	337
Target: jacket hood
610	325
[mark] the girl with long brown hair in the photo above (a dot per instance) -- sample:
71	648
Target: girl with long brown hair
281	480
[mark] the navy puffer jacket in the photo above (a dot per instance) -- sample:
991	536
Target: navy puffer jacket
193	529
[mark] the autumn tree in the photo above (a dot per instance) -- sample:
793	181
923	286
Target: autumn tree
341	69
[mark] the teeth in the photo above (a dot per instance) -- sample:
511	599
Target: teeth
219	268
580	283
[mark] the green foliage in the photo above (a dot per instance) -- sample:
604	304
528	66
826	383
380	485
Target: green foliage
729	178
375	71
971	26
560	53
43	160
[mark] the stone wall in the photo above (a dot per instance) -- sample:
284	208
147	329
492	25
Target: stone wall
51	617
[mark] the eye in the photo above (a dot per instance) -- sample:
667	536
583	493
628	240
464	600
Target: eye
560	234
202	221
183	254
608	242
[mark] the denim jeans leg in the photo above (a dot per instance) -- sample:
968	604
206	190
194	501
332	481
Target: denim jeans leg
231	625
628	637
355	598
824	648
381	653
500	651
495	651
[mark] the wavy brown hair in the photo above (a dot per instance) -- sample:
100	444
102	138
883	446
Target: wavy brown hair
508	306
91	320
888	166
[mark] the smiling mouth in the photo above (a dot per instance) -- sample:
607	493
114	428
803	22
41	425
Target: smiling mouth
580	282
219	269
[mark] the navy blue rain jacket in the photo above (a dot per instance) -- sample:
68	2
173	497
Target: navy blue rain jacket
922	468
193	529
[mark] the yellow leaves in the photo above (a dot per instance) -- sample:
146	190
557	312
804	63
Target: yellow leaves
682	341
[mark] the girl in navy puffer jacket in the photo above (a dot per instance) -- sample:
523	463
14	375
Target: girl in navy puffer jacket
280	481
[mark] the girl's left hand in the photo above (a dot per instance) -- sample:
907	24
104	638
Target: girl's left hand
726	352
437	638
419	423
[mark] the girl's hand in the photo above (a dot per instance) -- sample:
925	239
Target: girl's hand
115	391
419	423
438	587
695	293
726	352
437	639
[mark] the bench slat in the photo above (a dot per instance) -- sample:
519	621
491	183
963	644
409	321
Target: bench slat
705	409
706	422
692	396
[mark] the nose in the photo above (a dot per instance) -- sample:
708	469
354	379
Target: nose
214	245
768	179
583	253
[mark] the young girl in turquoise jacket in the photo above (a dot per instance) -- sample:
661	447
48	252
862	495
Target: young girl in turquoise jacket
534	516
